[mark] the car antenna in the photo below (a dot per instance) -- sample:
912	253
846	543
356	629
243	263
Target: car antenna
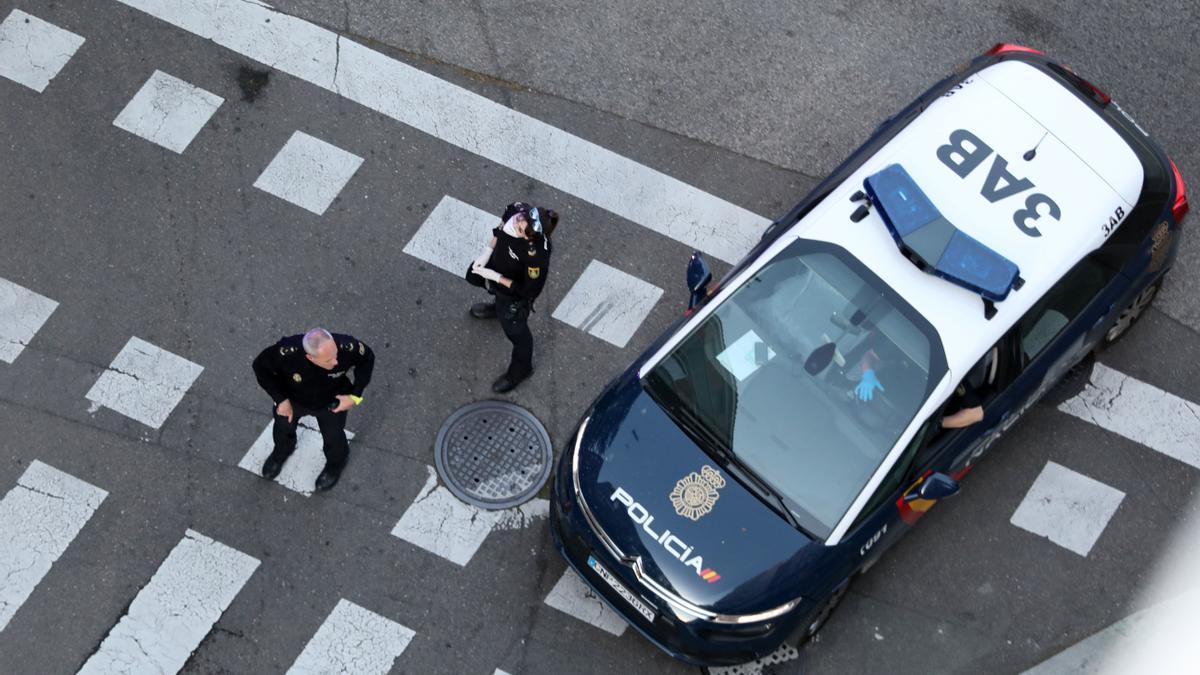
1033	152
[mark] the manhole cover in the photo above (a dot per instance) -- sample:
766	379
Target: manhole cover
493	454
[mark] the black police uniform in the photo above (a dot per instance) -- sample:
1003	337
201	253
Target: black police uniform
526	263
285	373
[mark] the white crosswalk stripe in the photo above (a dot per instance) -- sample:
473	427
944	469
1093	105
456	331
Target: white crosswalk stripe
172	614
22	314
144	382
38	520
452	235
1140	412
300	471
353	640
308	172
1068	508
441	524
469	121
33	51
572	596
168	111
607	303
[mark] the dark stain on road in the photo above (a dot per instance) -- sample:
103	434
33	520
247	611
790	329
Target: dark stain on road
252	82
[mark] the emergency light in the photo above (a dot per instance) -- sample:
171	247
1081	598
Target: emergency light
934	244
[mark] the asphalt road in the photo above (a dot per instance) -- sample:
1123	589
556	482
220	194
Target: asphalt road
751	105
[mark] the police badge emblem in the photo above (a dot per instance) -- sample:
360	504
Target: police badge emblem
696	493
296	377
534	272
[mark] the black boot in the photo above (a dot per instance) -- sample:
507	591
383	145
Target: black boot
484	310
272	466
327	479
506	383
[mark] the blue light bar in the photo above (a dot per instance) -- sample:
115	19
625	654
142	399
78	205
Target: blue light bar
933	242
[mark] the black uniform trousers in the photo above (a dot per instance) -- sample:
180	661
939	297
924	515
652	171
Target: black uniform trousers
513	314
333	433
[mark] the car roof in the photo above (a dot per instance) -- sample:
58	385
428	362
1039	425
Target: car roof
1081	164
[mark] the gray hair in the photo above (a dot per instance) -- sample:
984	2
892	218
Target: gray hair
314	338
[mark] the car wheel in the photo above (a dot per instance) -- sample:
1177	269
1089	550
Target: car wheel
1132	313
823	614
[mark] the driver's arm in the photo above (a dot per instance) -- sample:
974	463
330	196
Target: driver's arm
963	418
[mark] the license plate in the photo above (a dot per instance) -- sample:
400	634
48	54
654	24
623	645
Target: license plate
632	599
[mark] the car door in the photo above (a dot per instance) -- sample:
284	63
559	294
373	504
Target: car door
1057	333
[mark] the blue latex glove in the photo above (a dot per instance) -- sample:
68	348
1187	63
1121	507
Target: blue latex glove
865	389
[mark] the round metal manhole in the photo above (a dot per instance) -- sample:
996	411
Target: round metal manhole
493	454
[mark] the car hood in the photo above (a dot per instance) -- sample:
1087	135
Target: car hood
642	476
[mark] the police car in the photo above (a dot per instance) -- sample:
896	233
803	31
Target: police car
723	492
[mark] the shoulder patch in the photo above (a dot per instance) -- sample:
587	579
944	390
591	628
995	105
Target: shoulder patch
362	349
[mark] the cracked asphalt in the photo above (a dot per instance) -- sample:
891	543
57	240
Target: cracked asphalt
752	104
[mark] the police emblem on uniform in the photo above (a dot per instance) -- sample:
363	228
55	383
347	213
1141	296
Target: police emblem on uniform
362	349
696	493
296	377
534	272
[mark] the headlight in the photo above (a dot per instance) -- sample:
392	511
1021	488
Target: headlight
575	455
760	616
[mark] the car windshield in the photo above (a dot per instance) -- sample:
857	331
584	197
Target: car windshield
808	374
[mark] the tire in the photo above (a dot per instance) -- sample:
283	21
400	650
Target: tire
822	616
1132	313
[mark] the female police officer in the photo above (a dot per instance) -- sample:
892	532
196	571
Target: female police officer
515	265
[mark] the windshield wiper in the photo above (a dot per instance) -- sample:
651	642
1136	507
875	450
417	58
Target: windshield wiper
730	459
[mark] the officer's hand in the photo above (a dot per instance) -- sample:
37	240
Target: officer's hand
486	273
284	409
344	403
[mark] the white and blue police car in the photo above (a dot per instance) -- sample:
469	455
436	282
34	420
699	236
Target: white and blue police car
724	490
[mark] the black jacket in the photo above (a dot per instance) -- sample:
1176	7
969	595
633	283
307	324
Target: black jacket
284	372
523	261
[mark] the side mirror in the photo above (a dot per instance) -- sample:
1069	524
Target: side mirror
936	486
698	277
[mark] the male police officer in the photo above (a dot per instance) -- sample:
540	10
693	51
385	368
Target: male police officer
306	375
516	263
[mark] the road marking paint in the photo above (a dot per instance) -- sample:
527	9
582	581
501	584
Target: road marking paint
607	303
38	520
144	382
1139	412
300	471
469	121
452	235
499	672
572	596
523	516
1067	507
172	614
32	51
441	524
168	111
308	172
353	640
22	313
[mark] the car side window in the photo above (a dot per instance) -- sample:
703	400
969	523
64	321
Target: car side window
1061	304
897	475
